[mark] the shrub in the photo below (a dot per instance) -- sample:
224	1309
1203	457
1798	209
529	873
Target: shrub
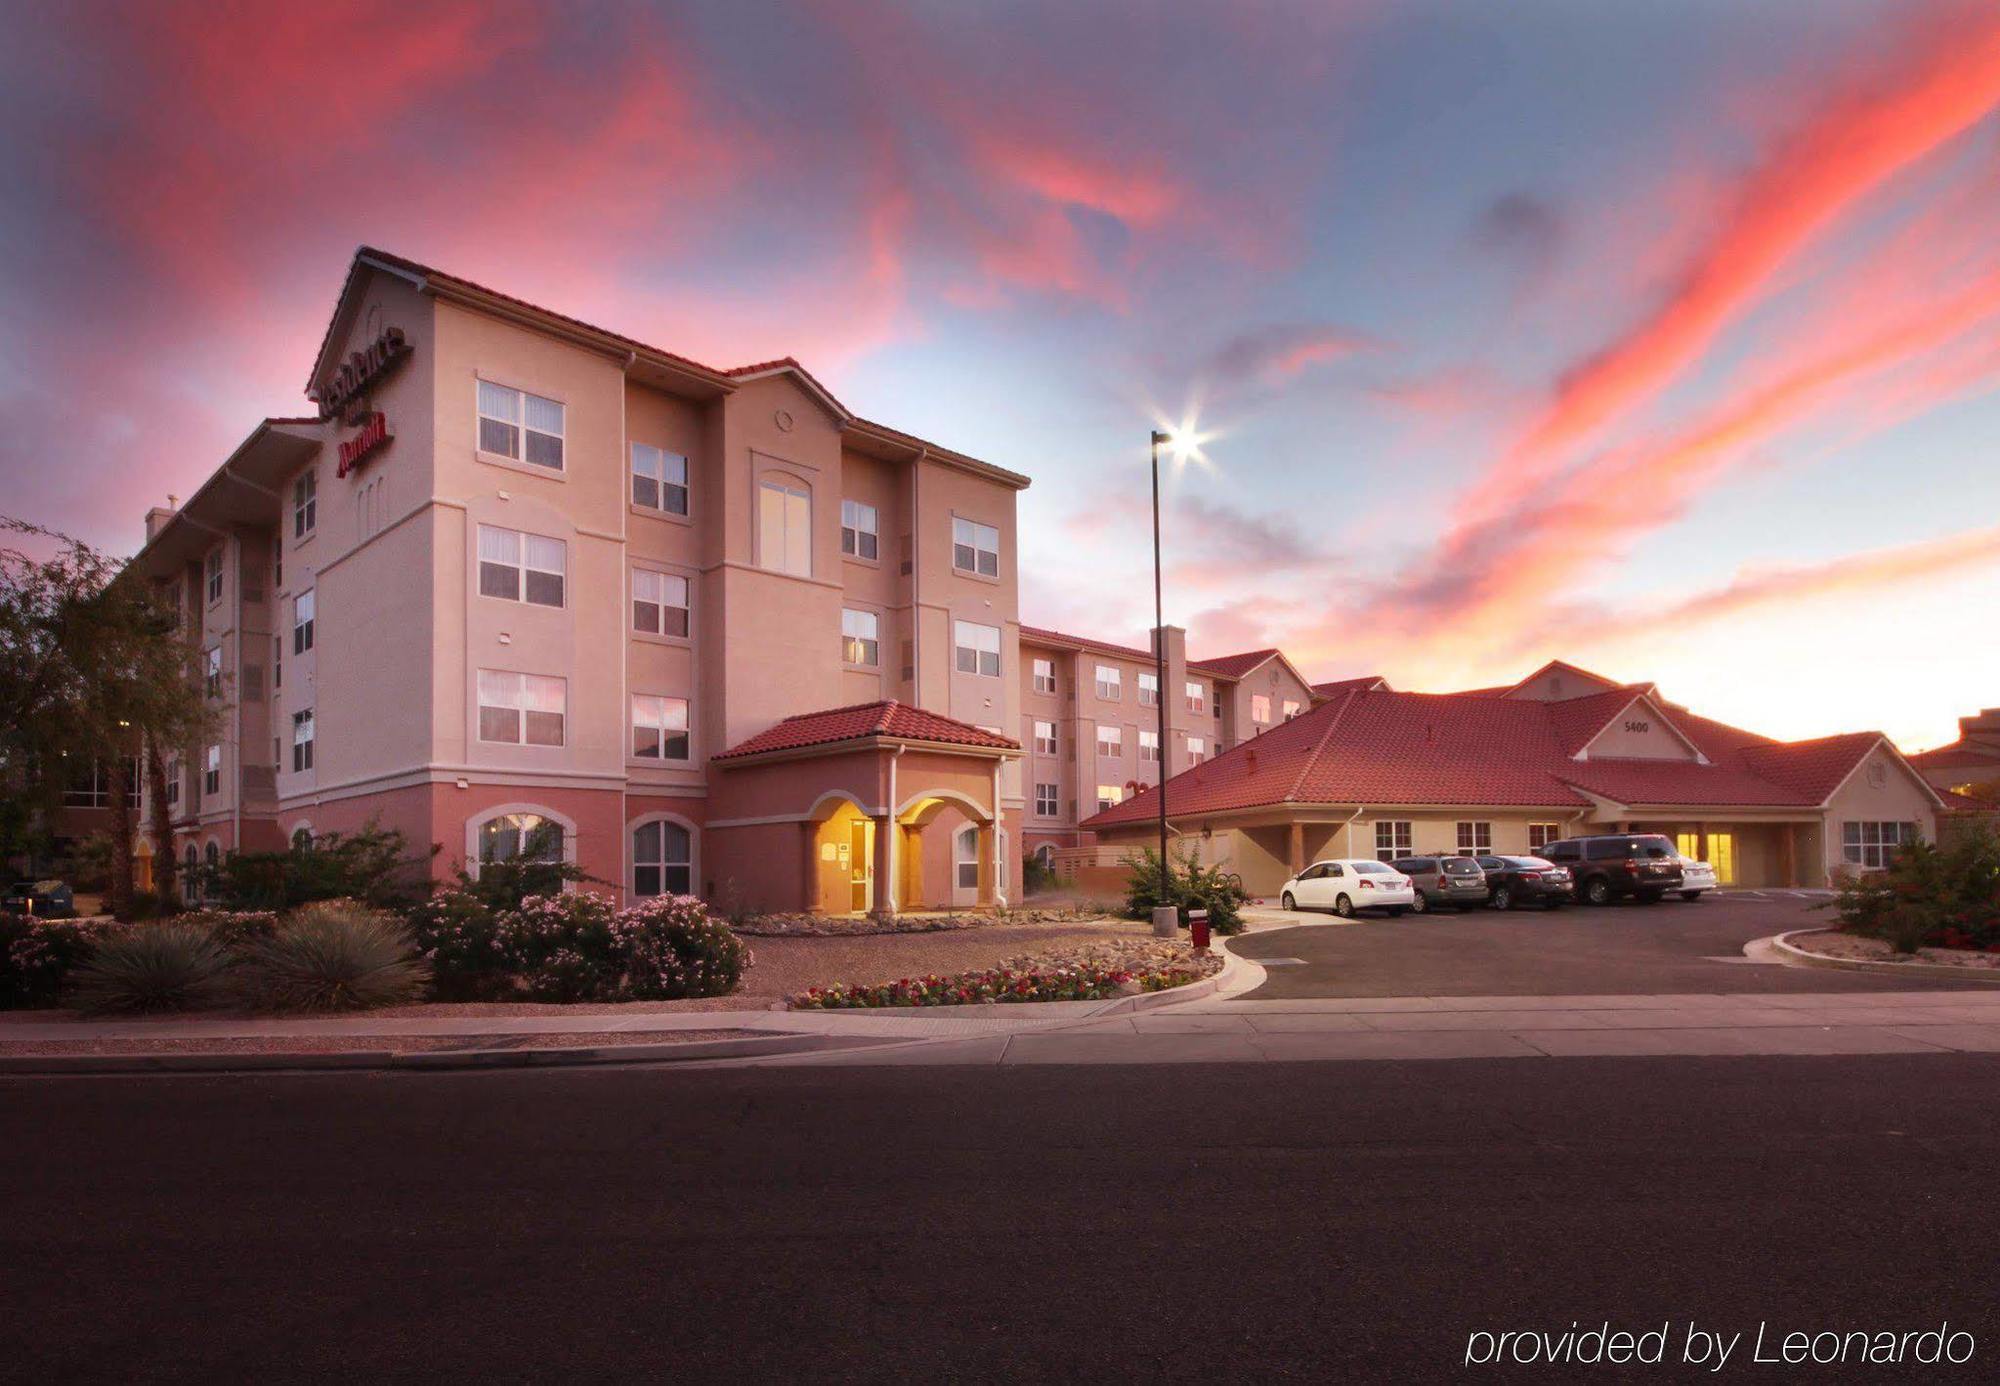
233	929
1037	876
1929	895
37	957
459	935
152	967
1086	982
1190	885
562	947
671	949
374	865
334	955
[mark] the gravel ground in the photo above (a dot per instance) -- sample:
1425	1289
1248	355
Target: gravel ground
338	1044
1835	944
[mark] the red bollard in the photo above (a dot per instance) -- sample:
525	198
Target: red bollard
1198	930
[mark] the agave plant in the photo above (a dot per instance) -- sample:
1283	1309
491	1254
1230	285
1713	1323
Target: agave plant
335	955
153	967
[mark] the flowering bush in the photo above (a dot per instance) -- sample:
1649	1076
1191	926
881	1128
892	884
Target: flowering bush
562	947
1086	982
672	949
459	933
37	955
1929	896
233	928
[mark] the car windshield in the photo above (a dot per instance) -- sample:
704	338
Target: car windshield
1371	868
1460	866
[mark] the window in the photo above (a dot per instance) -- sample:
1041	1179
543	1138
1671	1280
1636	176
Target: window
1197	698
975	548
1149	748
662	859
94	790
976	648
859	642
211	858
659	603
857	530
517	425
305	505
1045	738
514	566
1872	846
302	622
1541	835
1110	742
1474	838
302	839
214	571
1392	839
521	709
1107	683
1291	708
1046	798
1149	690
659	479
302	740
1260	709
659	727
1108	795
1197	752
784	528
211	671
1045	676
965	858
277	662
520	837
211	775
173	773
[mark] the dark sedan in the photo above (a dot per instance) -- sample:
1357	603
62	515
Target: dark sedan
1512	881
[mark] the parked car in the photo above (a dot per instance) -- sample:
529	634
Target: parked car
1696	877
45	899
1616	866
1512	881
1443	881
1346	886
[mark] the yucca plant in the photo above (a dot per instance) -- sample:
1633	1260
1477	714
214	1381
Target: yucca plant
153	967
334	955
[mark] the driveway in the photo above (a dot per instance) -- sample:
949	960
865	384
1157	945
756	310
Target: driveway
1623	949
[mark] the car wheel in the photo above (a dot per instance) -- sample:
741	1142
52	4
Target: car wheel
1344	907
1503	899
1419	905
1287	901
1690	895
1597	890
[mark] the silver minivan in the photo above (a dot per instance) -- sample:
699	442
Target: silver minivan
1444	881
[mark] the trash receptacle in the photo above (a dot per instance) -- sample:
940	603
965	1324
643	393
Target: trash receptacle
1198	929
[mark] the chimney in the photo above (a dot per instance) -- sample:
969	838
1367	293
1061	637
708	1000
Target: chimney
157	517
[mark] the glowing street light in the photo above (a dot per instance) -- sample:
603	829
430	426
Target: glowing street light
1183	444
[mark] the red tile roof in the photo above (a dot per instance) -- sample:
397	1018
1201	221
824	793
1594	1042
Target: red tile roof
1233	666
1959	755
1338	687
1378	746
863	721
1037	635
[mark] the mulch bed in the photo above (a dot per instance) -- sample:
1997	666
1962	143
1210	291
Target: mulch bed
1832	943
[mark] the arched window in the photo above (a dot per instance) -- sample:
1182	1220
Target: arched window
662	859
520	837
302	838
1046	855
965	857
191	874
211	856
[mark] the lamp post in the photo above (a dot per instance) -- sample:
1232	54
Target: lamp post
1172	914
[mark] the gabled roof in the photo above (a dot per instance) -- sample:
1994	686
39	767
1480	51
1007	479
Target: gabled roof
1337	687
1959	755
1234	666
1563	666
1037	635
887	720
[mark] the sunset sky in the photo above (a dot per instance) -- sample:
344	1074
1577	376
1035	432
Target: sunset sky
1662	338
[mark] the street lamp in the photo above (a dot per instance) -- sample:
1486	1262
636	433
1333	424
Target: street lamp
1181	442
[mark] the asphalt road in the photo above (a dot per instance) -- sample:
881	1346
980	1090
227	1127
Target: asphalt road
1208	1223
1613	950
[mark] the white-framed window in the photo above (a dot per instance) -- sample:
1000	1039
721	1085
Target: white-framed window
519	426
303	607
302	740
976	648
213	571
1197	698
520	837
1109	686
516	566
1108	795
1197	750
1541	835
1047	797
1260	709
521	709
302	838
1045	738
1872	846
211	671
965	857
173	774
305	505
975	548
659	603
1291	708
858	536
860	637
1045	676
659	728
1110	742
94	789
662	859
1149	748
211	774
784	527
1393	837
1475	839
659	479
1149	690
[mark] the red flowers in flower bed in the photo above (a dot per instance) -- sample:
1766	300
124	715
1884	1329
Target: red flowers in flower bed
1081	983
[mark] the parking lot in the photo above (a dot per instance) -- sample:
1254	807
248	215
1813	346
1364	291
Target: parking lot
1580	950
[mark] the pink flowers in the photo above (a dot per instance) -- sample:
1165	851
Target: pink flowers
1054	983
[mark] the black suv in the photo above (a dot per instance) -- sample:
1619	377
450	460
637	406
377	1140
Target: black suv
1612	866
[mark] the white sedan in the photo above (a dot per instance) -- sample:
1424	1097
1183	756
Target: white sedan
1345	886
1696	877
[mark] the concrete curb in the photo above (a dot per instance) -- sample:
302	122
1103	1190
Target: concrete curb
1794	956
